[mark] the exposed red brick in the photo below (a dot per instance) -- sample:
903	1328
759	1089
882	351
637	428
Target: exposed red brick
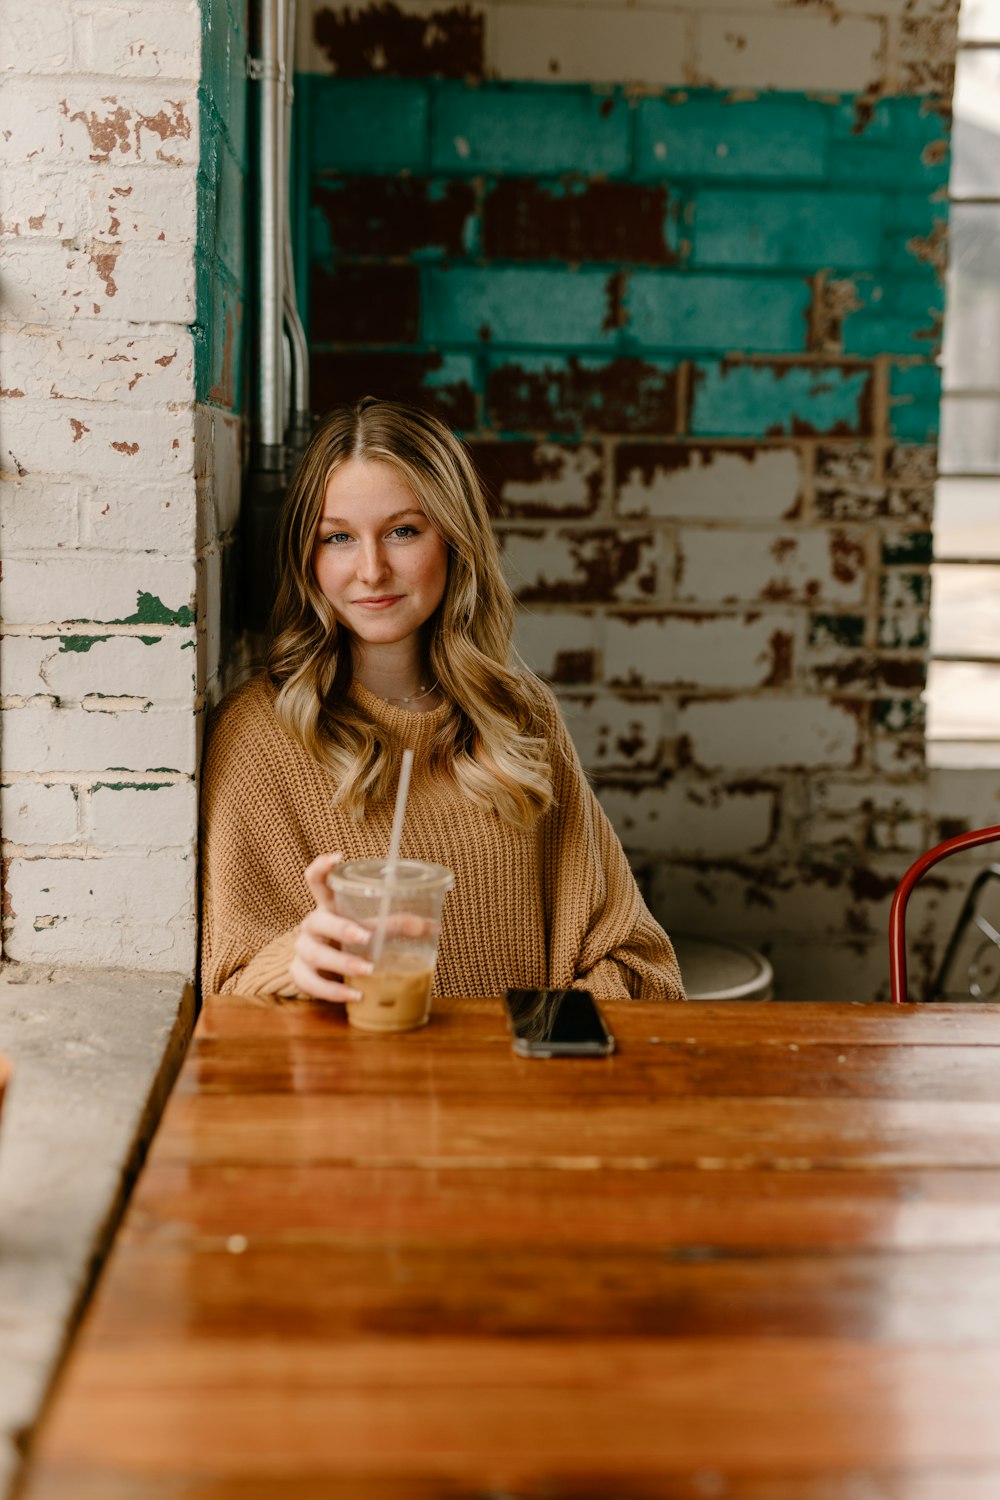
395	215
781	644
341	378
624	395
536	464
620	222
573	667
847	557
382	40
365	304
602	561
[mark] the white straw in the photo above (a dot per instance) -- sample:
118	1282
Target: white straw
395	840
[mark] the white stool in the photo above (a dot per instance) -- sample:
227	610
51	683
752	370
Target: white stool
714	970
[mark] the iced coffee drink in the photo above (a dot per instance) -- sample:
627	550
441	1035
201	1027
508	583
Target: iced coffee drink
400	905
396	997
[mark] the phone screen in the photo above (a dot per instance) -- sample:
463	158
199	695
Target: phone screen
548	1022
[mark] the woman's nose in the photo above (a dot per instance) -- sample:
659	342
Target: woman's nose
372	562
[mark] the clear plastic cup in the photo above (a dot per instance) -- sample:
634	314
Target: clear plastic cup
404	903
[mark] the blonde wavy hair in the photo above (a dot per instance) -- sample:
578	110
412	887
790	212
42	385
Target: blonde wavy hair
492	743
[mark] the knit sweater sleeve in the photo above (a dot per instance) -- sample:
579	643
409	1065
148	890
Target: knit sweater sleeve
251	907
602	936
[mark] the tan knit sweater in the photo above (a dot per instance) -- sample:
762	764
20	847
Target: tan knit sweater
553	906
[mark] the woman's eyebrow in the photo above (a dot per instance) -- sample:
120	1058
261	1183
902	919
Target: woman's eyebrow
411	510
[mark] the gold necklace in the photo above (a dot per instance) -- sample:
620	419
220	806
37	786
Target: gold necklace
415	697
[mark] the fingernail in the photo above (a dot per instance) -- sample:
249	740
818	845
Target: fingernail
353	995
360	935
364	967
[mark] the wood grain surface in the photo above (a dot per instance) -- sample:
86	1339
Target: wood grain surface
751	1256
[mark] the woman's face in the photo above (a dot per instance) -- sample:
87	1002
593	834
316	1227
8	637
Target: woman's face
378	561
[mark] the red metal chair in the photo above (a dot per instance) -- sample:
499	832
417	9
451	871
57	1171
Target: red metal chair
897	916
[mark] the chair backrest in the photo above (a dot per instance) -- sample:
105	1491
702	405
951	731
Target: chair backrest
897	916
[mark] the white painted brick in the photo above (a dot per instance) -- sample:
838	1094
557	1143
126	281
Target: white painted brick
87	588
107	204
806	567
596	43
141	283
156	665
37	37
142	203
615	735
972	796
128	911
140	41
755	484
88	364
34	812
40	204
151	886
123	444
833	797
86	942
38	513
140	519
40	738
689	819
71	119
772	733
787	51
583	566
153	816
701	651
558	644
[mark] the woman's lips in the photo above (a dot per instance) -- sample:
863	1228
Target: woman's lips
380	601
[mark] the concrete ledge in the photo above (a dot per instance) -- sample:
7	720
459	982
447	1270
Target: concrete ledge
94	1053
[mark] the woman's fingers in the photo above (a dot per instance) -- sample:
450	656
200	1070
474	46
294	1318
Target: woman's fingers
312	983
316	874
327	959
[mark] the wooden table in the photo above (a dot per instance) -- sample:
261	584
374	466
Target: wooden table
755	1255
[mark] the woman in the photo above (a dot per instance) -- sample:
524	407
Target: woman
392	628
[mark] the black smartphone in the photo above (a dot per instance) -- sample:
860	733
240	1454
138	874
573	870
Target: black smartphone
557	1023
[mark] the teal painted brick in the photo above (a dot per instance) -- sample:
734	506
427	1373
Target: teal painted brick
714	136
890	335
753	315
784	230
914	402
540	308
520	129
774	401
898	315
904	120
915	234
378	124
806	230
857	164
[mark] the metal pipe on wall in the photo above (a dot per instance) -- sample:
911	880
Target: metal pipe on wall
268	70
300	420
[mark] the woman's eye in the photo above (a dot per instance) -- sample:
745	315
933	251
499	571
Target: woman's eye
403	533
335	537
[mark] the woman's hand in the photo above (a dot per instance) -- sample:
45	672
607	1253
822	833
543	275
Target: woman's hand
320	967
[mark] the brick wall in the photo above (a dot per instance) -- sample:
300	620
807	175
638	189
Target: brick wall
676	272
107	537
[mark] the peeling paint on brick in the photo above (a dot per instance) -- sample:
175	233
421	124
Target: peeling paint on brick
381	39
578	220
384	216
104	258
540	479
625	395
